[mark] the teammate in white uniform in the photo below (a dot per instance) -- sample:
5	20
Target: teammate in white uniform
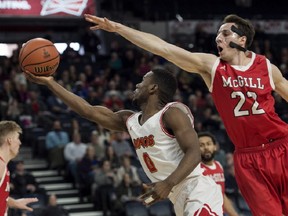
164	139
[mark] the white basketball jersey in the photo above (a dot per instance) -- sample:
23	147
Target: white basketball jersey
157	150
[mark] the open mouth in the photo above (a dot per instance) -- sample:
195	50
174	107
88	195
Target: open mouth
220	49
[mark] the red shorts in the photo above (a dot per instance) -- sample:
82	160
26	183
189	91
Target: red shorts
262	176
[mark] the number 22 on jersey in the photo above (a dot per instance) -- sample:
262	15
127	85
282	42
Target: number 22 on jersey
239	111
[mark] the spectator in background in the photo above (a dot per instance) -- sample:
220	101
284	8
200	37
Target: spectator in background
220	155
105	181
104	135
131	170
96	145
14	110
91	43
75	127
80	89
86	169
115	62
37	108
121	146
53	209
56	106
73	153
7	94
126	191
129	63
23	184
55	141
113	101
111	156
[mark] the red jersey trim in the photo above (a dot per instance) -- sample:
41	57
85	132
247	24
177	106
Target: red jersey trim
173	105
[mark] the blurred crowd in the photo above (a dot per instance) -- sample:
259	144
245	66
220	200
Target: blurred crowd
103	164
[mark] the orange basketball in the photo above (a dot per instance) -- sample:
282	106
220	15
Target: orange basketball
39	57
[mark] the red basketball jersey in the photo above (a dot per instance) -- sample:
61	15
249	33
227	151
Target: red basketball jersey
242	96
4	191
215	172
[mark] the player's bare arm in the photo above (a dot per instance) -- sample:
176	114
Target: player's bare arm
191	62
228	206
281	84
179	124
99	114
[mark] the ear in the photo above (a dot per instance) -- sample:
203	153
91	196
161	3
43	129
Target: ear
243	40
153	88
9	140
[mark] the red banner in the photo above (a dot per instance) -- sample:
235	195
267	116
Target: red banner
47	7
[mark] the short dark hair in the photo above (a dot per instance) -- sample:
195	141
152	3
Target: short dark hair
167	84
208	134
243	25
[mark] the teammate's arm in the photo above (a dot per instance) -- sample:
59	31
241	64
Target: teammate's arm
99	114
177	122
21	203
228	207
281	84
191	62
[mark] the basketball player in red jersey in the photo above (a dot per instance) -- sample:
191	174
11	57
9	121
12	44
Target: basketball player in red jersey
9	148
241	83
213	168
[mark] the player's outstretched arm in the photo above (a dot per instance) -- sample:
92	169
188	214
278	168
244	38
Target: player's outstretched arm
21	203
99	114
191	62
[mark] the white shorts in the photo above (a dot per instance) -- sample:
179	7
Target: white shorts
196	196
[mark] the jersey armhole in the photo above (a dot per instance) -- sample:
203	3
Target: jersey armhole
3	176
269	67
185	109
213	72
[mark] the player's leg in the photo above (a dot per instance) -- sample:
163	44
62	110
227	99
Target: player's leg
284	180
256	186
204	199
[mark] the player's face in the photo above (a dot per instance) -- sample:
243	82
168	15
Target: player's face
224	36
14	141
207	148
141	92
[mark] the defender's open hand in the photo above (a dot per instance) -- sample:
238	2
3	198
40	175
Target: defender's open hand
101	23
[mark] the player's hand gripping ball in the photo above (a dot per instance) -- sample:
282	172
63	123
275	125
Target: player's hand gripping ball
39	57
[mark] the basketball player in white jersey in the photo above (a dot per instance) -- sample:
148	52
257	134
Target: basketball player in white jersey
164	138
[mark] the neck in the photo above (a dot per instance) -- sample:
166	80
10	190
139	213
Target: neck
241	59
208	163
148	109
5	156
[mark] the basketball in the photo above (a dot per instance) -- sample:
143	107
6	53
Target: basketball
39	57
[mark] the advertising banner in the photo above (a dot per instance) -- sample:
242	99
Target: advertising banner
47	7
